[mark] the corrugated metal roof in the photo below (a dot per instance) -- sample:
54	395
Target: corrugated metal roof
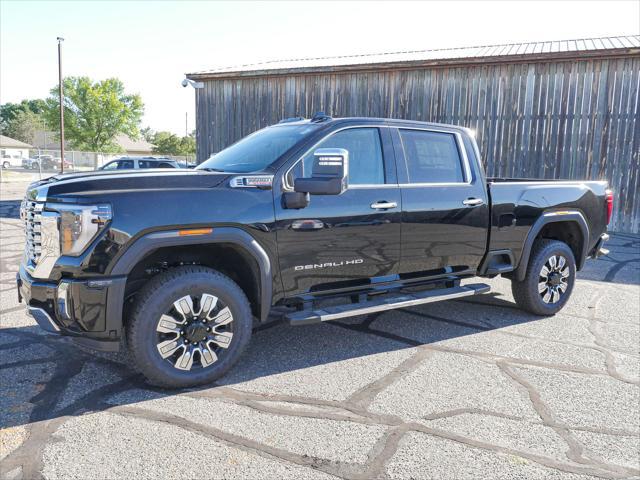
450	55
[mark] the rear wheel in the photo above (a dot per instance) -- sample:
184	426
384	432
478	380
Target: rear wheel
189	327
549	280
6	165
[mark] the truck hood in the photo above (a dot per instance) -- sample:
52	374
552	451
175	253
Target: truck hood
97	182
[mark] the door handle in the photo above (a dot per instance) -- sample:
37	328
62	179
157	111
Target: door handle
473	202
307	224
383	205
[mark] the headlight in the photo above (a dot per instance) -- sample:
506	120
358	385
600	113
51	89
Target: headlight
79	224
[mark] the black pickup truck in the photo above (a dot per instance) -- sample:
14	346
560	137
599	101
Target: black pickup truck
317	219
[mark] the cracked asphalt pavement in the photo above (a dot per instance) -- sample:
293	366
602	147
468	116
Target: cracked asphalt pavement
460	389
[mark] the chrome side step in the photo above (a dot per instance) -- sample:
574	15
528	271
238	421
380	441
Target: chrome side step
306	317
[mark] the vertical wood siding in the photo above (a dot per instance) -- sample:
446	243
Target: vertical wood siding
564	120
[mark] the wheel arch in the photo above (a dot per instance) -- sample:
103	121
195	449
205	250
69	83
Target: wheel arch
567	226
241	242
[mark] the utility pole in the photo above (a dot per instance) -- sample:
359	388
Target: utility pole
61	95
186	124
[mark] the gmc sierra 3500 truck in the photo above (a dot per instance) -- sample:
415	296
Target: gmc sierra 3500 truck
325	218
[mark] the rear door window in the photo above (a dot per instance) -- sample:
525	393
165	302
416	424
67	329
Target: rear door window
432	157
146	164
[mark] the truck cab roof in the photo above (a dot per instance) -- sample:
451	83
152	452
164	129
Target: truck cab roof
397	122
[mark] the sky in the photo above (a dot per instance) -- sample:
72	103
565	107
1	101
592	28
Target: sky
150	45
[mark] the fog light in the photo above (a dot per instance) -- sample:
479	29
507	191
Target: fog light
63	300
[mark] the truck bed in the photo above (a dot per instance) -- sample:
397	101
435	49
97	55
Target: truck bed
517	203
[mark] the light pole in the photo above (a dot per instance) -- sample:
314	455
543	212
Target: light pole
61	95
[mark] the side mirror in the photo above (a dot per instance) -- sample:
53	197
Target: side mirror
329	175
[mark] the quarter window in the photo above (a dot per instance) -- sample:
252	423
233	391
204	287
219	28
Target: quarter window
432	157
366	165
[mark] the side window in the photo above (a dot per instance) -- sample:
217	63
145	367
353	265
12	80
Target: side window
366	165
432	157
110	166
145	164
125	164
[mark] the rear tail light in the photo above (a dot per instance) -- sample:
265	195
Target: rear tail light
609	201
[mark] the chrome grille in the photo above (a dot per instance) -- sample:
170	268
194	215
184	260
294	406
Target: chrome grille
33	230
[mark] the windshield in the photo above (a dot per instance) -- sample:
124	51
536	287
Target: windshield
257	151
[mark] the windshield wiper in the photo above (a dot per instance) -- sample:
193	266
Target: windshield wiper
211	169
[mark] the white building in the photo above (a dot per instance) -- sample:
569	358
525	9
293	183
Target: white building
12	151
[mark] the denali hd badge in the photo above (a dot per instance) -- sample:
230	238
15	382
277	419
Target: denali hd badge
313	266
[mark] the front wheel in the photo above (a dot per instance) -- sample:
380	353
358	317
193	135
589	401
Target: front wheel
6	165
549	281
189	326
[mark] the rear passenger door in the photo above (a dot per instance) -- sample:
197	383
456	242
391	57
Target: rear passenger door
445	212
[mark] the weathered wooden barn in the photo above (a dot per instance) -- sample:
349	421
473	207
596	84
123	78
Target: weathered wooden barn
561	109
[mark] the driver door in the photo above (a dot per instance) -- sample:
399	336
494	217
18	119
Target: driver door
343	241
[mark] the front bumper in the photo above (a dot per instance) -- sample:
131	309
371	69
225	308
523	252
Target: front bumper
90	310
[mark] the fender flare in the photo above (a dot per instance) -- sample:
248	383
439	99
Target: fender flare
150	242
553	217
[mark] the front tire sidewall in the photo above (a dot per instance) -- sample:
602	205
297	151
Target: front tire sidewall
143	338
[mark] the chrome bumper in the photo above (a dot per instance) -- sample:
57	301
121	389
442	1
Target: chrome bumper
43	319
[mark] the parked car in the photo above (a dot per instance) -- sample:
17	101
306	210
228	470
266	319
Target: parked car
132	163
68	165
28	163
35	162
323	218
9	161
183	164
46	161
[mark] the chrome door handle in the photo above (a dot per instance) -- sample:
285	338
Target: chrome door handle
473	202
383	205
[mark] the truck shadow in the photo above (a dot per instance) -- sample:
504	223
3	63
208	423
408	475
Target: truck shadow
46	377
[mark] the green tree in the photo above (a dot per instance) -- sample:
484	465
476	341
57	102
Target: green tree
170	144
148	134
9	112
24	126
95	113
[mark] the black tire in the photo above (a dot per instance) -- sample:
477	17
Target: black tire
157	298
527	294
6	165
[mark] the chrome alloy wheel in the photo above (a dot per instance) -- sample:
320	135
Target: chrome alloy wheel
553	279
194	331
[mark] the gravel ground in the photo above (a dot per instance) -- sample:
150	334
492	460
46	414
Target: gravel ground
462	389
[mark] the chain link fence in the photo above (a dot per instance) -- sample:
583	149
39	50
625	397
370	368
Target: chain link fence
42	163
82	161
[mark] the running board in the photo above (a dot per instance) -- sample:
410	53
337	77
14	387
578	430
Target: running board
306	317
